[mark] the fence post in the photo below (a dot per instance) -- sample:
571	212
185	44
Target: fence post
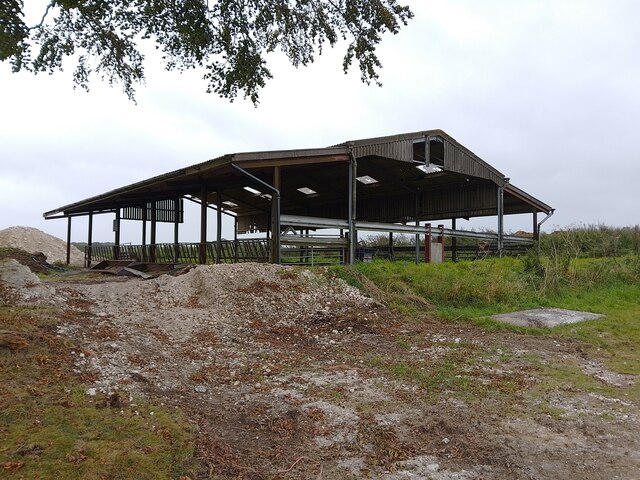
427	243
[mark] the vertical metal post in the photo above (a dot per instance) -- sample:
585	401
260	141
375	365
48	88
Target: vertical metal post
68	240
176	229
536	233
353	173
154	215
441	236
392	255
417	225
144	231
202	257
218	226
500	220
427	243
89	241
235	239
275	217
454	242
427	151
116	228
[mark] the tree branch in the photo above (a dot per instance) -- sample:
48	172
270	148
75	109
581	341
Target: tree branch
44	16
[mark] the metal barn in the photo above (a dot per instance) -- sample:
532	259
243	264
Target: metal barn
311	203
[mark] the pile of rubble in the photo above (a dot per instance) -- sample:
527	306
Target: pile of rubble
33	240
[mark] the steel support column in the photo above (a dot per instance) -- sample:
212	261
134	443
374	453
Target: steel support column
154	224
218	226
500	209
536	233
417	199
176	229
235	239
275	218
144	232
89	241
202	257
68	240
454	243
353	173
116	229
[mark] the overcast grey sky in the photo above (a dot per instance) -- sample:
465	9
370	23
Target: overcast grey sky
546	91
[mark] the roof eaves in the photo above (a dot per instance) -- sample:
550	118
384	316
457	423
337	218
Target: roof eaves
530	199
199	167
281	154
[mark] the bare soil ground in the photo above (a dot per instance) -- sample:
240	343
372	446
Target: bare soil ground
292	374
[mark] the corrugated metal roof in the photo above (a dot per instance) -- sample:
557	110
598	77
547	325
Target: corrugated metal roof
457	158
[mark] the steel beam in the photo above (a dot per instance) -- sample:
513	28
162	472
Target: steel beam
297	221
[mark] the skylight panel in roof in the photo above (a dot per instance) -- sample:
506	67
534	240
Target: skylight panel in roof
230	204
252	190
367	180
307	190
431	168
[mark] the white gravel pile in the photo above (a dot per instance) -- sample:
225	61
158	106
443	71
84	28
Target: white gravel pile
33	240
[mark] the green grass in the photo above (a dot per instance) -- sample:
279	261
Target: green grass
470	292
49	428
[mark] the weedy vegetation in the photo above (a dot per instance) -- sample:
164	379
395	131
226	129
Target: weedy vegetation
595	269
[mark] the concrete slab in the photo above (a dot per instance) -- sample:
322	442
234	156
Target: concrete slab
545	317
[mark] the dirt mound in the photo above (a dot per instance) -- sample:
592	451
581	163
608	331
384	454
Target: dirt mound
34	240
37	262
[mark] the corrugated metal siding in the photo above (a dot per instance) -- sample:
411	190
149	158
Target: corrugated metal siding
468	201
457	160
384	209
398	150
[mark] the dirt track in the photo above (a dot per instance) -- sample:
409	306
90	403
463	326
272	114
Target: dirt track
291	374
